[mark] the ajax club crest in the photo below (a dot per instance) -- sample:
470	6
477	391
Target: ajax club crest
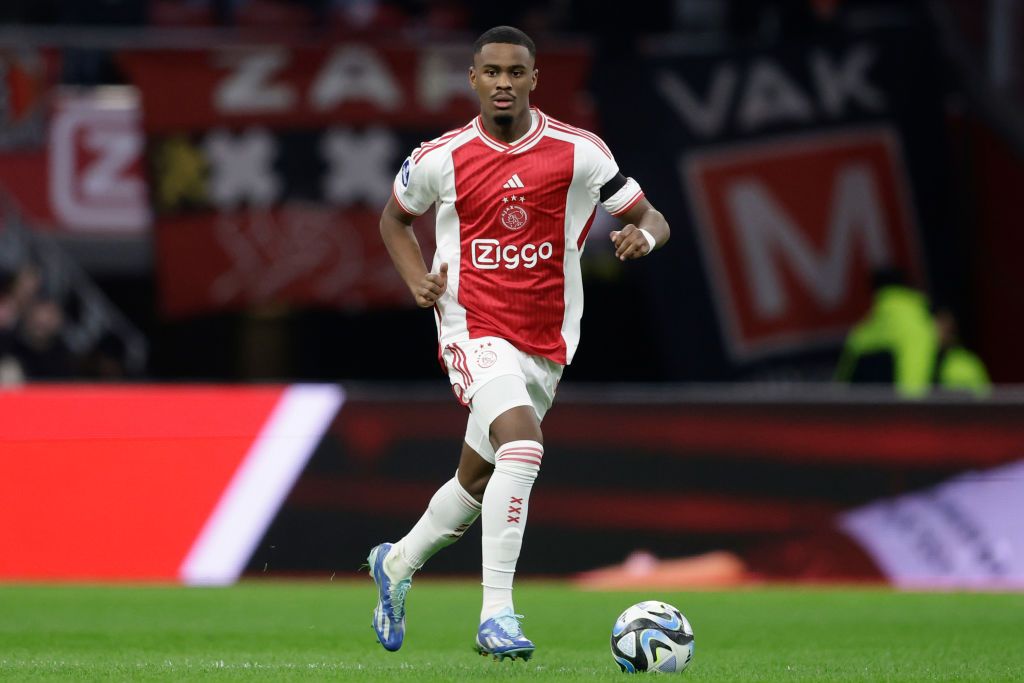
485	357
513	214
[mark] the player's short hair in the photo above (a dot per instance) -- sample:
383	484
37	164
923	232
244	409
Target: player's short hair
505	34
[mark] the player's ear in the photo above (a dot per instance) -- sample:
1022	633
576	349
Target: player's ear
472	78
534	85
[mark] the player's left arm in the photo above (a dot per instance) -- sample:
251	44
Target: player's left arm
630	241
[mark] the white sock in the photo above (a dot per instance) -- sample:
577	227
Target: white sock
451	511
506	499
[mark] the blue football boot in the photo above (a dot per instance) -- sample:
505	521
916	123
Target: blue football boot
501	636
389	615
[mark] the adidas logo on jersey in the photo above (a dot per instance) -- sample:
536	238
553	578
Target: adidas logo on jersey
513	183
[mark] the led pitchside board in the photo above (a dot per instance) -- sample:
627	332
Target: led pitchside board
204	484
149	483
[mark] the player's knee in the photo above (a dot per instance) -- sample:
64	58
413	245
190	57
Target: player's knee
516	424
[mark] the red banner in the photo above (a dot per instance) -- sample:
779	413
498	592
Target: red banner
306	255
268	186
790	228
355	83
88	178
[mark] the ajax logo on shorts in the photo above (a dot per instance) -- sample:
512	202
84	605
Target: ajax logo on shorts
489	254
485	358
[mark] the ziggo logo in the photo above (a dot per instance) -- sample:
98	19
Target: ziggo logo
489	254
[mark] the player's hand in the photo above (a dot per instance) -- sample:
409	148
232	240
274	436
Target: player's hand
432	287
629	243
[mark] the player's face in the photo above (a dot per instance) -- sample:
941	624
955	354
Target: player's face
503	76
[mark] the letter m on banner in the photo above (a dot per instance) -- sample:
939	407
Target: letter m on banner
791	229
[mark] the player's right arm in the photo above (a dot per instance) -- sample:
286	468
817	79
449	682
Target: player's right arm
404	248
412	193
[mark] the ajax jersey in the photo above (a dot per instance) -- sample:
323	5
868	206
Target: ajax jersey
511	224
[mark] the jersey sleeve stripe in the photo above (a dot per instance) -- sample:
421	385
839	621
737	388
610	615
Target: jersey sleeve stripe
601	147
403	206
590	136
428	146
631	203
566	128
425	152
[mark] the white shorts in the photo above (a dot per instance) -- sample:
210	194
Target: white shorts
512	378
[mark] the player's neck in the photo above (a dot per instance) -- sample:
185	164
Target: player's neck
510	131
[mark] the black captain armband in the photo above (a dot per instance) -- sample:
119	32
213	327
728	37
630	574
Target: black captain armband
612	186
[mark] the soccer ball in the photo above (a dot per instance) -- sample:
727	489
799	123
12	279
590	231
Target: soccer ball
652	636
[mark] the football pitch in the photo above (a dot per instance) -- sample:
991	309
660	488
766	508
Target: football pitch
267	630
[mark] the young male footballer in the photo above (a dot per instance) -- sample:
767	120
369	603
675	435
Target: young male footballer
515	192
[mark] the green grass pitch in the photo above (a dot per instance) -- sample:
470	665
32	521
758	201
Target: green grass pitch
277	631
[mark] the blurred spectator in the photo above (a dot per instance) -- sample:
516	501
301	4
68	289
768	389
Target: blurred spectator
38	345
18	286
956	368
34	333
897	343
27	283
105	360
8	321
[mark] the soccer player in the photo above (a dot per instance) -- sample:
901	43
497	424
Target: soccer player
516	192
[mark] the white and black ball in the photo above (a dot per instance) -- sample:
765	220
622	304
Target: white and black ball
652	636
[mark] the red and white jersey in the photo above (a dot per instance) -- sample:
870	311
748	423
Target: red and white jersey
511	222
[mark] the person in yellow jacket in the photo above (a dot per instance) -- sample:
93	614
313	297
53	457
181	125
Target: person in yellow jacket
897	342
901	343
957	368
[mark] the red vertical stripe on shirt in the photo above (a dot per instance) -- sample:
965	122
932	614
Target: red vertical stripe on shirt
586	229
505	291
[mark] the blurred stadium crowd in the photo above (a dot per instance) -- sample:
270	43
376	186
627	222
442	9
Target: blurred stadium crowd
540	17
710	76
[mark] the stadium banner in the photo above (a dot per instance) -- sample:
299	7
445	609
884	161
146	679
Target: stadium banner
148	483
204	484
95	157
788	174
268	187
83	173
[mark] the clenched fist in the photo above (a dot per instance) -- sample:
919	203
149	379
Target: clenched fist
629	243
430	289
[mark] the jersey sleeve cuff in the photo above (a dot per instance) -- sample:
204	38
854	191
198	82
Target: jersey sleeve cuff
625	199
402	205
